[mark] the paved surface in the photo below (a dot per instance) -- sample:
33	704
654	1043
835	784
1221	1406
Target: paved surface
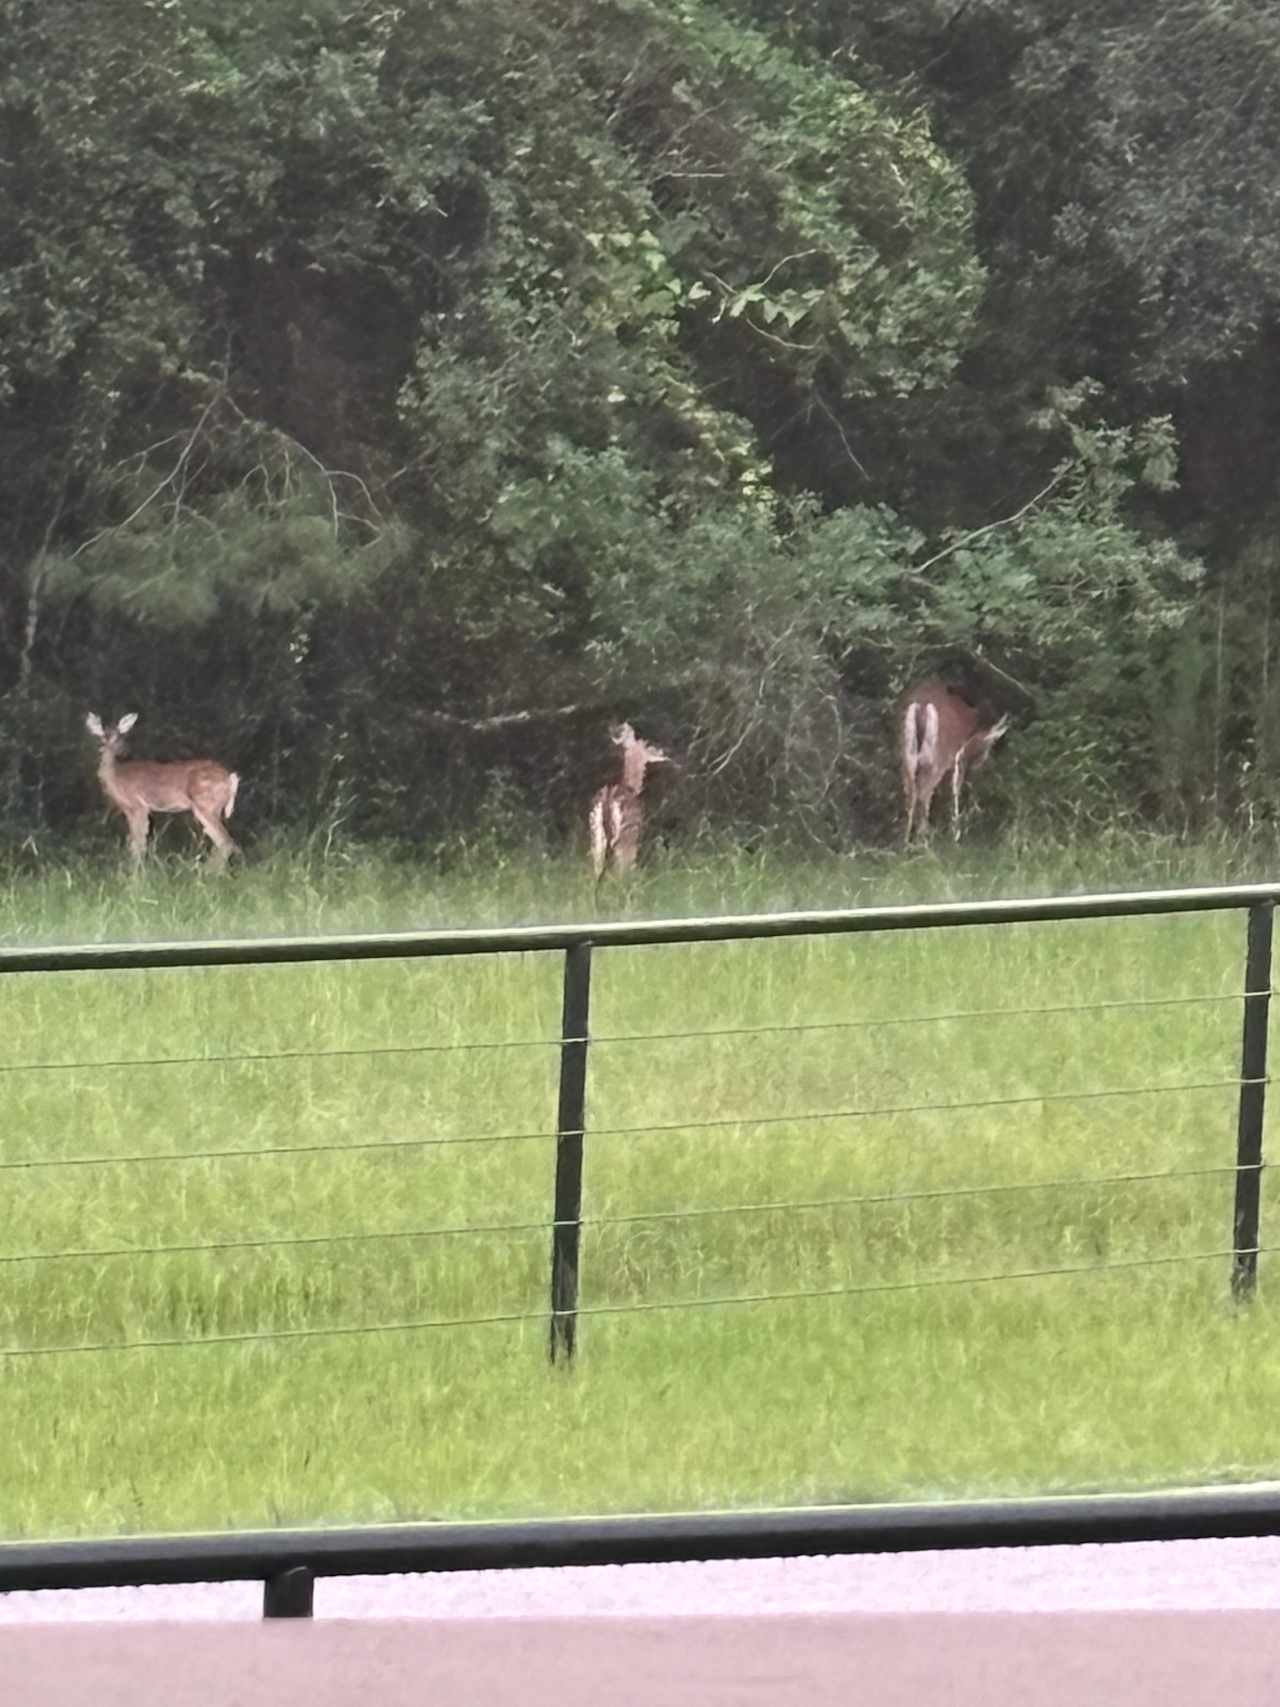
1142	1659
1160	1624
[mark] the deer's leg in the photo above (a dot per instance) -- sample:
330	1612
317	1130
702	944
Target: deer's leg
624	851
957	783
924	805
223	845
138	822
630	826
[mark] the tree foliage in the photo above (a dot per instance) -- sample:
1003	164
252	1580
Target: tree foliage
390	394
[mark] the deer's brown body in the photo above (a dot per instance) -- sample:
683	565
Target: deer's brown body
943	736
616	819
139	787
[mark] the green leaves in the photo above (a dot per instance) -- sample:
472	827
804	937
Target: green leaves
336	338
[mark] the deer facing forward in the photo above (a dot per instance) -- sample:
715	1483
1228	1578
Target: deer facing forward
943	735
139	787
616	819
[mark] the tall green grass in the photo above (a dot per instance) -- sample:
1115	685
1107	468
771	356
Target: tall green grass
913	1372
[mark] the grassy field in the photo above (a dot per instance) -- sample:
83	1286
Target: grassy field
1122	1376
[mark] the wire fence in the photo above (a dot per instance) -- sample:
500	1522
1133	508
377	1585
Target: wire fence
570	1134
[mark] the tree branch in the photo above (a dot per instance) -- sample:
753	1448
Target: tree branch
514	719
171	479
836	422
1004	522
531	716
982	663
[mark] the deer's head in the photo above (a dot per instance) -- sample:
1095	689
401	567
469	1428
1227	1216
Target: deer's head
110	737
637	755
981	744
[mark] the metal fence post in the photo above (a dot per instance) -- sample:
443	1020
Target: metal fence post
570	1126
1253	1100
289	1593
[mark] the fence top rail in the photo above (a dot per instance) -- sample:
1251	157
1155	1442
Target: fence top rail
626	933
1178	1514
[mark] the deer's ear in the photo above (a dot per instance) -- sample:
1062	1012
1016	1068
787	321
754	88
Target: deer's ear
93	723
127	722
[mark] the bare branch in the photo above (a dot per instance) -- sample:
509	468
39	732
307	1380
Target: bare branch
731	294
140	456
1011	683
534	715
800	255
1004	522
782	343
835	421
173	478
514	719
179	476
329	475
748	729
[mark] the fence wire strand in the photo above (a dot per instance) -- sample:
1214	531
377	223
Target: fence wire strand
648	1129
409	1235
374	1051
653	1307
945	1018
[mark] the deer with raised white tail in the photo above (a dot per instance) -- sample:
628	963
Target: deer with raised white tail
616	819
139	787
943	735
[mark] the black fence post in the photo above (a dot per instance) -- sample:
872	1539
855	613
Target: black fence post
1253	1102
570	1126
289	1593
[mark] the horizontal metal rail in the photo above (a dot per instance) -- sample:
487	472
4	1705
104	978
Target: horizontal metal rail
1190	1514
527	939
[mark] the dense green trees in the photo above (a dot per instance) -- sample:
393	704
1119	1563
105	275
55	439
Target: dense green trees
391	393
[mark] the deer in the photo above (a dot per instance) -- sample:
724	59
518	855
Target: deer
140	787
943	735
616	818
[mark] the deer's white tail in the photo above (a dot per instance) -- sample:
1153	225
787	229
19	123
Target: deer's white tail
920	736
233	782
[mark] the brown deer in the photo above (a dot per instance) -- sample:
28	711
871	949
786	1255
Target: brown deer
140	787
943	735
616	819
